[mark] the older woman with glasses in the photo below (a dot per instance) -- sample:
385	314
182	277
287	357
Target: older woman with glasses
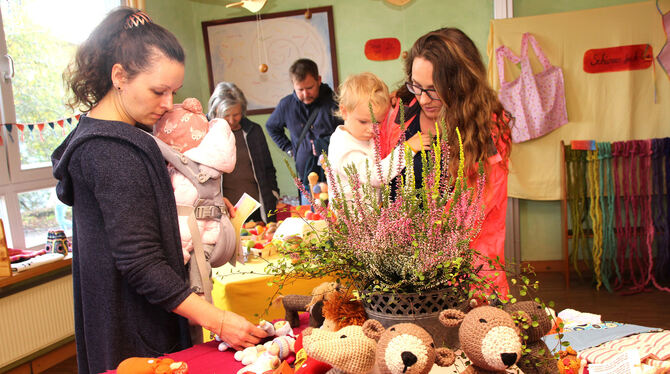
254	171
446	81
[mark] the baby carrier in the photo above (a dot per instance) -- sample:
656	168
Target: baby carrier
209	205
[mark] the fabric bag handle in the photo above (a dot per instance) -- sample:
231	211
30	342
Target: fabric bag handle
536	47
501	53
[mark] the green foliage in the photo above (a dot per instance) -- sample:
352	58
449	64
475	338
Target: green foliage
39	60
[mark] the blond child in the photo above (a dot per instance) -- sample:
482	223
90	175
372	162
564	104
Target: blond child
353	142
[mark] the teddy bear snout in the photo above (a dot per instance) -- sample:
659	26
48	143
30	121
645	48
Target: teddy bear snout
501	347
508	359
408	358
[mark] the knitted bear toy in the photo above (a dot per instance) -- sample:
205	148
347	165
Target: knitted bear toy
405	348
539	359
488	336
347	350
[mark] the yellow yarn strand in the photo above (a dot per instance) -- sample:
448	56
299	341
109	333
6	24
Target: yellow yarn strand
595	213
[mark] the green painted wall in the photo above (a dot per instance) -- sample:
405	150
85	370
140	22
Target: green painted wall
356	21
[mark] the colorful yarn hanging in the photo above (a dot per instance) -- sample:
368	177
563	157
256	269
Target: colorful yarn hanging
660	161
618	158
622	190
608	262
595	212
643	148
576	195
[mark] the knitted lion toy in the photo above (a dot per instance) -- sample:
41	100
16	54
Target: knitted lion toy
342	310
308	303
538	358
488	336
405	348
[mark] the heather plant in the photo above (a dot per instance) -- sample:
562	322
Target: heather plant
403	238
400	237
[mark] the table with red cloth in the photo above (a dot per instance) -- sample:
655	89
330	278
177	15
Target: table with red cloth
206	357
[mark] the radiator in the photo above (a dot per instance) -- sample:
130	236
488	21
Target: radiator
35	318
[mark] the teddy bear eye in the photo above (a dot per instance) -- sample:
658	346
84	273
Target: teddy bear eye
343	336
392	328
482	320
432	345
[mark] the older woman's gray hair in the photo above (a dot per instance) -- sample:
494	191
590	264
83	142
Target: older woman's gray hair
225	95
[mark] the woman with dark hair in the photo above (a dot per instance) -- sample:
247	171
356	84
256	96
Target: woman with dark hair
446	81
254	171
131	293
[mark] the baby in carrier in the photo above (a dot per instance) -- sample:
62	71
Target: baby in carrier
198	152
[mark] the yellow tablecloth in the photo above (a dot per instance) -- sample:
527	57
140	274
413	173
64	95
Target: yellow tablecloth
246	290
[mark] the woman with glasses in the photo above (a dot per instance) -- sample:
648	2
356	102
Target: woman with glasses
446	81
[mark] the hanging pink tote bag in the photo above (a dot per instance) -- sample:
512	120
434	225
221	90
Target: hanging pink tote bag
537	102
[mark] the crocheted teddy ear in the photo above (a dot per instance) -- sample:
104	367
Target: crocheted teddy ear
373	329
444	357
451	317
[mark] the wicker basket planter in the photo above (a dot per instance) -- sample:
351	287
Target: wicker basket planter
421	309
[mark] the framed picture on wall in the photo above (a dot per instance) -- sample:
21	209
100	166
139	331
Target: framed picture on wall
237	47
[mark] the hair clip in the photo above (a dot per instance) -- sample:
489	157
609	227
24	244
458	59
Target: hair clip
136	19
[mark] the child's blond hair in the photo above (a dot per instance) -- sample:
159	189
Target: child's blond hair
364	88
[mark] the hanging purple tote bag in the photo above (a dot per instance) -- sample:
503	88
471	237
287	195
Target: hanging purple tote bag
537	102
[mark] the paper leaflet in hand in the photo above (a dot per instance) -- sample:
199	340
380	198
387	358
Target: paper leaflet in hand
243	209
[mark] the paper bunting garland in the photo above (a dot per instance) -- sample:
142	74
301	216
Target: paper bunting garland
40	127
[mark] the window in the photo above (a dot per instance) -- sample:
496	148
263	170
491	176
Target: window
37	40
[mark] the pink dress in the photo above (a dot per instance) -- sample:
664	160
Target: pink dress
491	238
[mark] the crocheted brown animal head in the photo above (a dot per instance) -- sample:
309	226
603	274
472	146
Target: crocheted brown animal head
537	313
405	348
488	336
348	349
535	322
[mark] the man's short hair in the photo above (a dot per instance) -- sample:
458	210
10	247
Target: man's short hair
303	67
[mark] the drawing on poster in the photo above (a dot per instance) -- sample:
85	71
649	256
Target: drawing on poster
235	51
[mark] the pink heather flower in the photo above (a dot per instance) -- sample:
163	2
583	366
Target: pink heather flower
393	242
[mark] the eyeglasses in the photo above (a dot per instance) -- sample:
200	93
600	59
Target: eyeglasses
418	91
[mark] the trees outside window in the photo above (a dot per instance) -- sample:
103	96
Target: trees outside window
40	38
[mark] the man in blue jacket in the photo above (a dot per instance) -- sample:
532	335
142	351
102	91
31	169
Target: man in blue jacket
308	115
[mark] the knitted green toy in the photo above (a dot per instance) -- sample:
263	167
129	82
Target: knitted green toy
488	336
405	348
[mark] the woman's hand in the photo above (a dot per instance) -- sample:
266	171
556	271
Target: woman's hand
233	329
420	141
231	208
239	333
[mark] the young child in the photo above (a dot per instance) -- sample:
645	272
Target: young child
198	153
353	142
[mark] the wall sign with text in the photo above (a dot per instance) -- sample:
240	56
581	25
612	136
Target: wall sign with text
627	57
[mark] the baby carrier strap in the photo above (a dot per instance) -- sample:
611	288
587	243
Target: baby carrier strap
210	204
183	164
